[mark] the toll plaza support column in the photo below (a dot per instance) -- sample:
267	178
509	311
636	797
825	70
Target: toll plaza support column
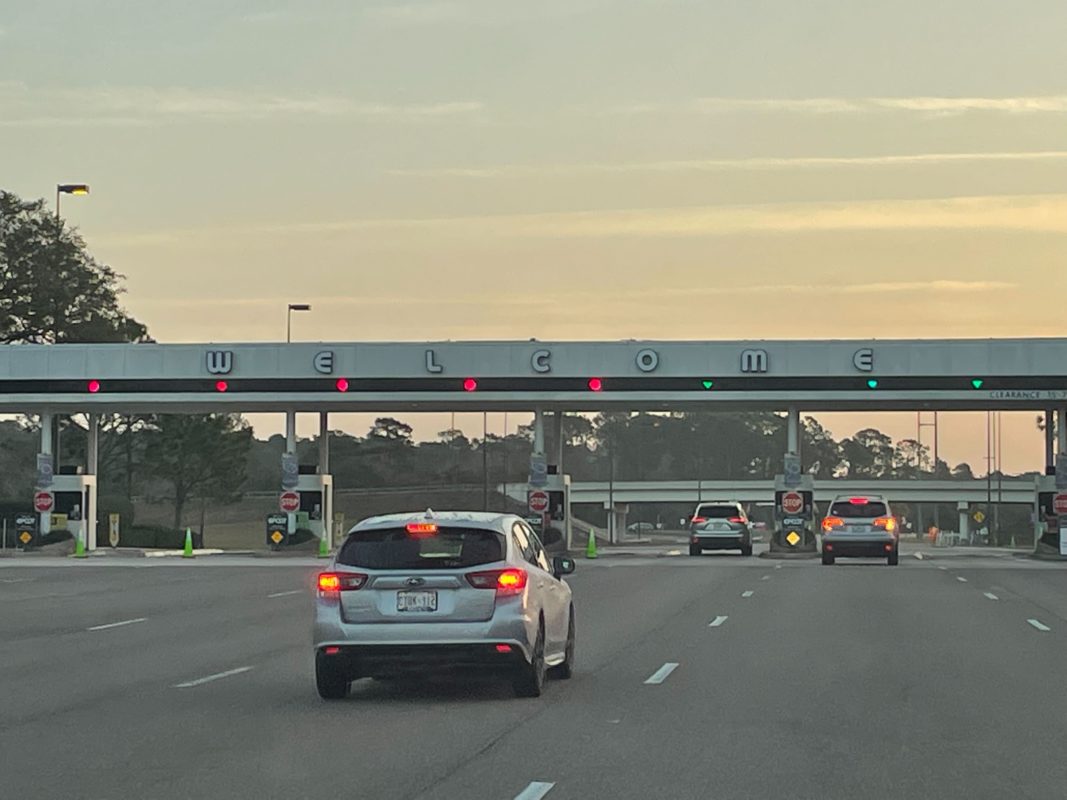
965	520
792	442
44	524
324	469
1061	430
1050	442
290	447
90	513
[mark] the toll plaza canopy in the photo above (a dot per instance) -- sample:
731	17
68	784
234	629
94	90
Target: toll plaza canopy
486	375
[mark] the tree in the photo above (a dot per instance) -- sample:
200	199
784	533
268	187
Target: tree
198	455
869	454
390	430
51	288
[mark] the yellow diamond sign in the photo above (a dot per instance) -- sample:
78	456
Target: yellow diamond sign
25	537
792	538
276	537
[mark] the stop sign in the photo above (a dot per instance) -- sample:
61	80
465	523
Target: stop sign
792	503
1059	503
538	501
289	502
43	501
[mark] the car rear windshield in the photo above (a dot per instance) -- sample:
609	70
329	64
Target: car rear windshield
395	548
845	509
718	512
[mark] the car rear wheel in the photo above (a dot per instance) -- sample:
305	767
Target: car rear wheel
746	549
893	558
330	679
694	550
530	679
566	669
827	560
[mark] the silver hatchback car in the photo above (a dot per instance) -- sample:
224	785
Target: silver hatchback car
429	592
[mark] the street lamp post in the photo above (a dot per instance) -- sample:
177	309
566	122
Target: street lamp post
289	318
69	188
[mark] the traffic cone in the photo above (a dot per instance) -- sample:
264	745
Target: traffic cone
188	551
590	549
324	550
79	548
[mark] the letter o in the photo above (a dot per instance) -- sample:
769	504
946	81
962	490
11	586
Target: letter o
647	360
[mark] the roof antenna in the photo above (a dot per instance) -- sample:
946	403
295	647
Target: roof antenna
429	513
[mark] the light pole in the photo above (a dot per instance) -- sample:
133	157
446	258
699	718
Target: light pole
289	318
69	188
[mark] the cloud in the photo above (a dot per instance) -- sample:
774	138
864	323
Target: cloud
925	105
1024	213
723	164
132	105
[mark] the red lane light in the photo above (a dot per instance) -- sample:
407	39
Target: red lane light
503	648
221	386
858	501
505	581
342	384
93	386
596	384
469	385
332	651
422	529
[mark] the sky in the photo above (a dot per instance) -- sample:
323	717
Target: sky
566	169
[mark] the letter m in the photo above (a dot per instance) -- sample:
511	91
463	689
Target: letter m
754	360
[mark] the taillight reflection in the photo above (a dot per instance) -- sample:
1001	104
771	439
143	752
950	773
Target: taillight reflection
505	581
829	523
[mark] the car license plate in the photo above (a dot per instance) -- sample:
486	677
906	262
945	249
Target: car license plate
720	526
416	601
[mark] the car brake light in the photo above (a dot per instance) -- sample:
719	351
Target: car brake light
832	522
418	529
736	519
889	523
330	582
332	650
698	520
503	648
858	501
505	581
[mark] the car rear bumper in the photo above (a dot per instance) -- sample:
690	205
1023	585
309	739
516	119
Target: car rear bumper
502	628
868	547
720	542
369	660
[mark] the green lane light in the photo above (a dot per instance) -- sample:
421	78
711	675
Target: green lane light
977	383
872	384
708	384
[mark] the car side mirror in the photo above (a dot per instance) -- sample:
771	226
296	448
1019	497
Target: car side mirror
562	566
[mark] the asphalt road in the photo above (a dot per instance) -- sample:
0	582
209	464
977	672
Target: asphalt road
793	680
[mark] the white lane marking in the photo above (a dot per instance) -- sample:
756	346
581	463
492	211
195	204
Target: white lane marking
210	678
943	568
990	595
777	566
749	593
535	791
765	578
116	624
919	556
660	675
961	579
15	580
715	623
1039	625
670	553
286	594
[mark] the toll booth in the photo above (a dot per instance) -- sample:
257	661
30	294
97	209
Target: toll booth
558	515
1046	521
74	507
316	505
795	524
